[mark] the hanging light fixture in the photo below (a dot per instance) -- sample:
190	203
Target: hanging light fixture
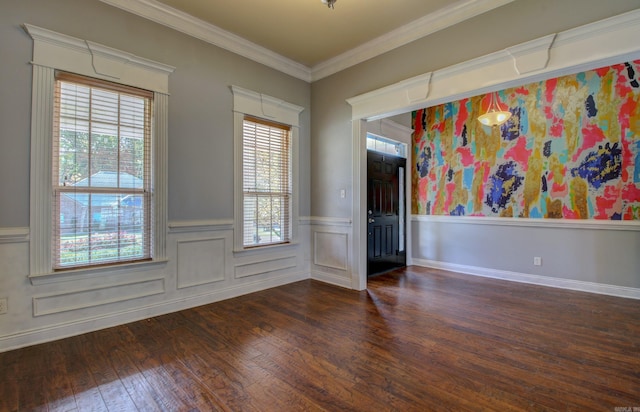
494	116
329	3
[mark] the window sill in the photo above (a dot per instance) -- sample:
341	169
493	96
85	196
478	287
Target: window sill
87	273
267	248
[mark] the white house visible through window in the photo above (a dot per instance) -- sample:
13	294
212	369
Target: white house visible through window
101	172
90	207
266	182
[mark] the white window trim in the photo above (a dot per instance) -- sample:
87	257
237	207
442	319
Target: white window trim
247	102
54	51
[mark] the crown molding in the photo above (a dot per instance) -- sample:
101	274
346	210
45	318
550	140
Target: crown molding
187	24
587	47
431	23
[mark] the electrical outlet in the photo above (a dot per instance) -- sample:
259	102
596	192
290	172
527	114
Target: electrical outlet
537	261
3	306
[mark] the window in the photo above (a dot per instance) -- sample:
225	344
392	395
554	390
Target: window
99	134
266	177
101	172
265	174
383	145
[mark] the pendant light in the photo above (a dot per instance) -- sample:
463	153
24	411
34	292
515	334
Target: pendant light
494	116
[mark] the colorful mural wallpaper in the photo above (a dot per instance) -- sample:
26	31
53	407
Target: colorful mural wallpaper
570	150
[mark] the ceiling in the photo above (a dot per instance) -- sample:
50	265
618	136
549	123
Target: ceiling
305	36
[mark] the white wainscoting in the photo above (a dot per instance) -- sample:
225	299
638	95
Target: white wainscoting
330	248
96	296
263	266
201	261
201	268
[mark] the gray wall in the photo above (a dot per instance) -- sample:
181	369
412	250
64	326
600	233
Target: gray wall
201	266
602	256
585	255
200	116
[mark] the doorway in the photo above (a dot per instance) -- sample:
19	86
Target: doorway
386	231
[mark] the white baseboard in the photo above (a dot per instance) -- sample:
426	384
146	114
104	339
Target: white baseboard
64	330
331	279
592	287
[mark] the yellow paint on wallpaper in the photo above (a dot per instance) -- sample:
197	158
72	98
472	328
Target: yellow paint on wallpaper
579	193
416	204
477	191
557	169
532	181
607	117
488	142
537	120
460	194
507	212
438	206
570	96
554	209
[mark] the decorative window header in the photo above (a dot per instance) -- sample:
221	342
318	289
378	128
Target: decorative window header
62	52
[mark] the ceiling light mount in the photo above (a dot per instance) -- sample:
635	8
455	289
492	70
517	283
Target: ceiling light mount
494	116
329	3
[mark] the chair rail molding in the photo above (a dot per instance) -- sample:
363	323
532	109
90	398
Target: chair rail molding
14	234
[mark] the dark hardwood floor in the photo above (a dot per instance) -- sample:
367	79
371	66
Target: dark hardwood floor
416	340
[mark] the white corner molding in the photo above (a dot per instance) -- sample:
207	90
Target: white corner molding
590	224
594	45
199	29
62	52
556	282
447	16
533	55
440	19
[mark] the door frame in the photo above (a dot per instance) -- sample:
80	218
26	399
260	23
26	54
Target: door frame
602	43
358	249
401	134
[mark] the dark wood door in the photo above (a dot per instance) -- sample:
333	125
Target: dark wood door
385	248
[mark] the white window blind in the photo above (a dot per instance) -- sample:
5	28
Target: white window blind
266	175
101	173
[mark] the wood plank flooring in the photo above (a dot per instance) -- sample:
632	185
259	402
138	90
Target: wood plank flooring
416	340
